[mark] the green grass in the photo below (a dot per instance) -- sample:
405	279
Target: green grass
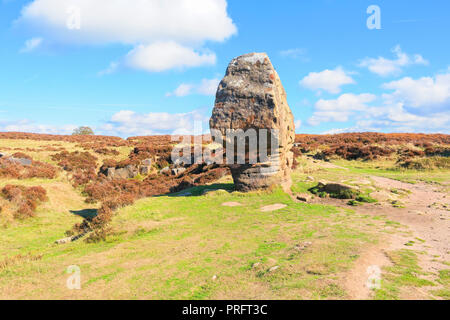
405	272
366	199
444	280
192	247
170	248
388	169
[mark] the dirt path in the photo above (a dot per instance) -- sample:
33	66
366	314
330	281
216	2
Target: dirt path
429	226
424	212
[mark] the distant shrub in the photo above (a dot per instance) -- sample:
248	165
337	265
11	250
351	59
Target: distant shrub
83	131
88	140
430	163
370	145
107	152
354	152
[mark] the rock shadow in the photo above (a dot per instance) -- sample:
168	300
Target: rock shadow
88	214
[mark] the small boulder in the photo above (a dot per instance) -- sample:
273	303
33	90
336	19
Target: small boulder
128	172
304	197
274	268
165	171
21	161
335	190
178	163
302	246
145	170
335	187
178	171
64	240
110	172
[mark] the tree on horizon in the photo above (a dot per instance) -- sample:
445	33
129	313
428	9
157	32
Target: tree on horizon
83	131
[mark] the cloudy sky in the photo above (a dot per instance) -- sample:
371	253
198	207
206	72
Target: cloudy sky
136	67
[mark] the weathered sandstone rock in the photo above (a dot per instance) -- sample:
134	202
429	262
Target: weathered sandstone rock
251	96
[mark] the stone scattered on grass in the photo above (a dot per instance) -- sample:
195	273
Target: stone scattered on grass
274	268
304	197
302	246
64	240
231	204
273	207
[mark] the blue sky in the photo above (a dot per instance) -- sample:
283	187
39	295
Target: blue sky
154	69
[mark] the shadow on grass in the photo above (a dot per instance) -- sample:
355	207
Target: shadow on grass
200	190
88	214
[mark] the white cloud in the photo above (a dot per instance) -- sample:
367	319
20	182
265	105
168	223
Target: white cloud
328	80
425	93
162	56
206	87
31	44
340	109
111	69
421	105
397	119
132	22
298	124
386	67
130	123
297	53
183	90
165	34
30	126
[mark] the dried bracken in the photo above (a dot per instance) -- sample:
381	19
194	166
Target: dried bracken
25	199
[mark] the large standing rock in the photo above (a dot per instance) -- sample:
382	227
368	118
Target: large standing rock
251	96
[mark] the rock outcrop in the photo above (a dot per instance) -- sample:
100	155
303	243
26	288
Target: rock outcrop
251	96
128	172
16	160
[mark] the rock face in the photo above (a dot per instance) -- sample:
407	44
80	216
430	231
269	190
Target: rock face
251	96
129	171
20	161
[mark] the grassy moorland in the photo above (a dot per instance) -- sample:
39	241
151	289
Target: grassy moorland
209	242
